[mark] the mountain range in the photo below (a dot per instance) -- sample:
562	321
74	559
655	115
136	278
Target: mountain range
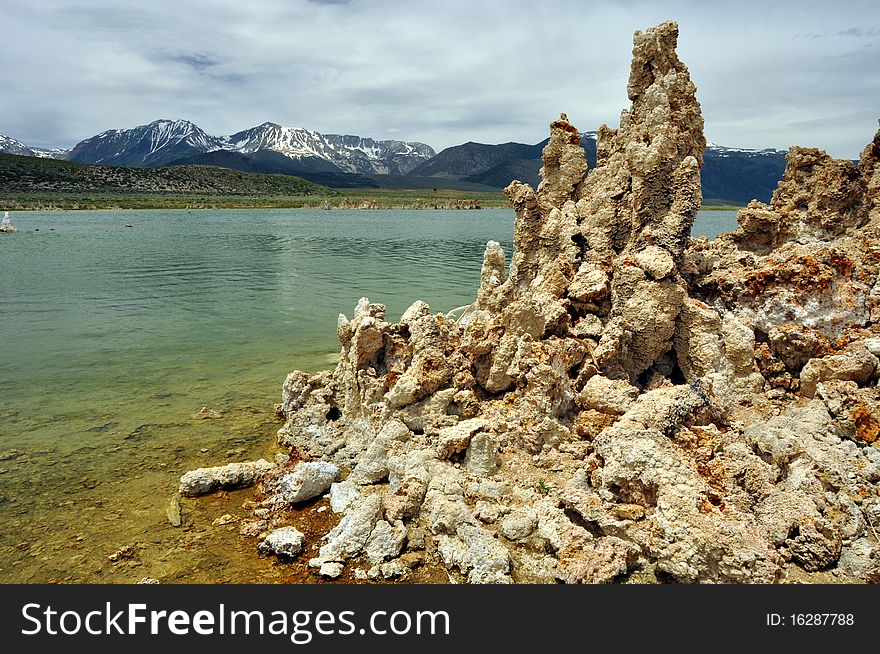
11	146
733	175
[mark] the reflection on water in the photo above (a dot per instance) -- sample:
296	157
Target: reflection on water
111	338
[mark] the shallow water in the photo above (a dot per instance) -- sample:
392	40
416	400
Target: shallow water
113	337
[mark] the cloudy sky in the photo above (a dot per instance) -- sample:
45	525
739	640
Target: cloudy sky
769	74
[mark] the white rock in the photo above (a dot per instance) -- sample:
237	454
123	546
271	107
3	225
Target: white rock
487	512
613	396
233	475
416	310
308	480
444	508
373	464
519	524
286	541
873	346
482	458
385	542
456	438
389	570
477	553
342	495
347	539
655	261
331	569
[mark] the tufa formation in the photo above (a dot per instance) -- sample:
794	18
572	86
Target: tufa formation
624	401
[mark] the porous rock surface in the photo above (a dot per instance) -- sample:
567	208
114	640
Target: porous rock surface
624	402
307	481
202	481
285	542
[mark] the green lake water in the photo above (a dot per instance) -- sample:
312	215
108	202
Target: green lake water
112	338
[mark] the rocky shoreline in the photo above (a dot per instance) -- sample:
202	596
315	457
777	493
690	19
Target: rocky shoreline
623	402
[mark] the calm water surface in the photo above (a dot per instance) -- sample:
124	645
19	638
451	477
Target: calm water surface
113	337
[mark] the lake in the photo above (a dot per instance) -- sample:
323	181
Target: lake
113	337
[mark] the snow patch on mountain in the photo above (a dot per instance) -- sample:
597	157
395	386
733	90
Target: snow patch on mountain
724	151
9	145
349	153
51	153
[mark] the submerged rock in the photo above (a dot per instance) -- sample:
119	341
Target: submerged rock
174	512
621	396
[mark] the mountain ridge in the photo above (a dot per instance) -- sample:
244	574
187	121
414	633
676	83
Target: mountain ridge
735	175
21	174
164	141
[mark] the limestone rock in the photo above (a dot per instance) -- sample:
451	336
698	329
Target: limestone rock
613	396
477	553
347	539
453	440
286	542
373	465
655	261
385	541
598	563
343	494
331	569
856	410
233	475
620	390
519	524
406	501
482	458
307	481
856	365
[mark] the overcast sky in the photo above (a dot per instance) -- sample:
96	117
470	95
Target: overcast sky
769	74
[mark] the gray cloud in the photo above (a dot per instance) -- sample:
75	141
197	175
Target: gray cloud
199	62
438	72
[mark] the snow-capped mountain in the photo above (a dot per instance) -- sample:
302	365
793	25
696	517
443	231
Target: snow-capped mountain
160	142
724	151
166	141
353	154
730	174
388	157
9	145
51	153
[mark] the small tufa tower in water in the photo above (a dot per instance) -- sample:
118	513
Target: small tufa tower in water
6	226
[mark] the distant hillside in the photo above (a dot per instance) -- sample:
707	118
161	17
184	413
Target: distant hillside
401	182
472	158
730	175
19	174
500	175
740	175
271	162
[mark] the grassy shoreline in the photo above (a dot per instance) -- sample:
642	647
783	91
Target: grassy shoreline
349	198
338	199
